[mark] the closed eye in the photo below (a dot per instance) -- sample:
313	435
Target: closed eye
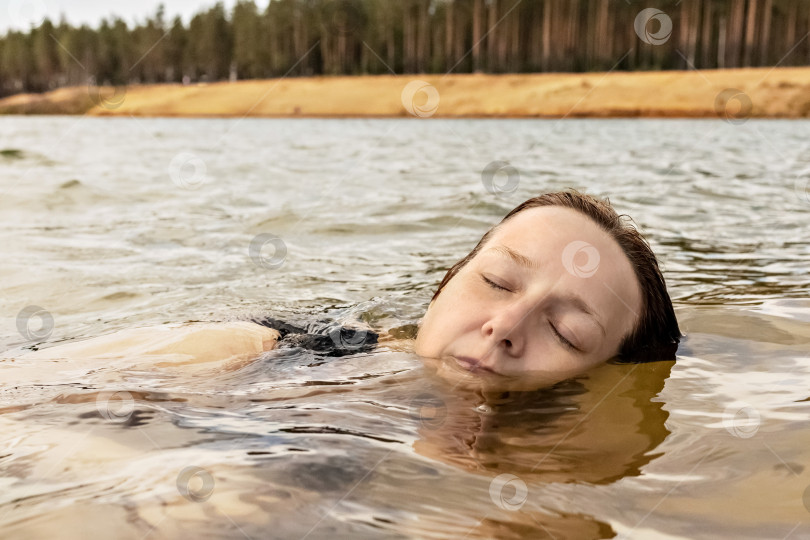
567	344
493	284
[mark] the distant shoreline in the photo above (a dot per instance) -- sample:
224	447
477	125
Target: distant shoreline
734	94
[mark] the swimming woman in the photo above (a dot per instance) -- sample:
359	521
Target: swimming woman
560	285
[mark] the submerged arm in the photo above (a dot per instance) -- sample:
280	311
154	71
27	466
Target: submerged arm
184	344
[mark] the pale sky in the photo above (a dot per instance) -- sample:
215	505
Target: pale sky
20	14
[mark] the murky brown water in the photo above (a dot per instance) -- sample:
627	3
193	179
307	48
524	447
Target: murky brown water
104	227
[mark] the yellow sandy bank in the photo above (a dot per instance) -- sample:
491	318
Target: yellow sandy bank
755	92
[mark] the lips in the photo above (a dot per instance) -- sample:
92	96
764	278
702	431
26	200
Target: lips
473	365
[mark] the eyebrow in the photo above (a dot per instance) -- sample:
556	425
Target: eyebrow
572	299
522	260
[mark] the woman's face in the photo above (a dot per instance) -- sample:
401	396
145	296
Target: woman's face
547	297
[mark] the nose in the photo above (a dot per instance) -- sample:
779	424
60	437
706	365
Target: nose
505	331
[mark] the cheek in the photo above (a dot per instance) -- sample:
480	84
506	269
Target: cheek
439	319
459	304
453	313
546	357
430	332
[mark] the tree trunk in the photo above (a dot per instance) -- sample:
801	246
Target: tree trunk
735	33
547	14
407	38
722	43
501	36
706	38
571	34
750	33
492	36
792	24
765	35
390	40
423	37
478	7
533	39
448	35
603	42
694	31
514	54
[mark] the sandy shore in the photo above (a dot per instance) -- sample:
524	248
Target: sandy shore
756	92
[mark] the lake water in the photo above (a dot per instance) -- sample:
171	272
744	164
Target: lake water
109	224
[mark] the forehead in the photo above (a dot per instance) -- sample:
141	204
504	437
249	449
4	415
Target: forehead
548	227
585	258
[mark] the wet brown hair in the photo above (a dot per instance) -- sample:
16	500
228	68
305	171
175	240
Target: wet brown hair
656	334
